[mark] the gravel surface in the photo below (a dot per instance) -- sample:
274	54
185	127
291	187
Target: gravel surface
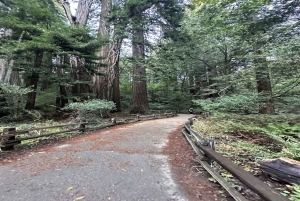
148	160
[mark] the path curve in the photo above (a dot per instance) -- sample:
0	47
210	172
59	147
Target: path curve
129	162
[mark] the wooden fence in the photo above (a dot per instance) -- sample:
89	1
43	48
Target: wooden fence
206	154
11	136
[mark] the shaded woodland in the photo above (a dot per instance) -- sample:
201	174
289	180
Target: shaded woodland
228	56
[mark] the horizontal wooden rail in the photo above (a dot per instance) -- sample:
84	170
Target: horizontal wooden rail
232	191
253	183
47	127
8	137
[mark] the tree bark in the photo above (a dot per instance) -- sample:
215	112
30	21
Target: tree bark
78	64
100	81
116	97
61	99
106	84
83	11
264	90
66	6
263	82
33	81
7	74
139	101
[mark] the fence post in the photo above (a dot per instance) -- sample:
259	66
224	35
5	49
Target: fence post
82	127
10	146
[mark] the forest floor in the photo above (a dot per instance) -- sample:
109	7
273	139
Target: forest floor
248	139
148	160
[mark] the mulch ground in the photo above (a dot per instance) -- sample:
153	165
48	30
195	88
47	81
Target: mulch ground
188	172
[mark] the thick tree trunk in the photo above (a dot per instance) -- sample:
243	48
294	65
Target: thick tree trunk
106	84
139	101
83	11
264	90
78	64
33	81
79	72
100	81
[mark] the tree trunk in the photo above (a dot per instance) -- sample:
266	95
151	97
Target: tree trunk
7	74
106	84
263	82
100	81
264	90
83	11
78	64
61	99
116	98
139	101
66	6
33	81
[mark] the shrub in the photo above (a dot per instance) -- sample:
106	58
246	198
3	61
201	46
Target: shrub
236	103
14	97
99	107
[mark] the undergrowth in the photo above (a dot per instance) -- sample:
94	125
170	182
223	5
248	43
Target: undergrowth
247	139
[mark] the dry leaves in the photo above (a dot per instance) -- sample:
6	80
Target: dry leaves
80	198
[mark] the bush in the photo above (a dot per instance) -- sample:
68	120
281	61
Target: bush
14	97
244	104
99	107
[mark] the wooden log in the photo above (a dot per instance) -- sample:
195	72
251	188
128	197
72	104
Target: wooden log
284	169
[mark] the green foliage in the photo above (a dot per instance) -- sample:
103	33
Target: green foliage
217	48
234	104
14	96
163	96
295	195
99	107
283	129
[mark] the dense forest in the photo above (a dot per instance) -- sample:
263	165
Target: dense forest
224	56
238	61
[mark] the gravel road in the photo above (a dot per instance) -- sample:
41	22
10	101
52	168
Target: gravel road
126	162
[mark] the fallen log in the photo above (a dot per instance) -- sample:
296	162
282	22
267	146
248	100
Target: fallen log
284	169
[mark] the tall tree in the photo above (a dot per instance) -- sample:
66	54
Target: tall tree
164	14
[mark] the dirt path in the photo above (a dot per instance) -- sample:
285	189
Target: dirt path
143	161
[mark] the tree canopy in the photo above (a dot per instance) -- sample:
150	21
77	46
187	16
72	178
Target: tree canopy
240	56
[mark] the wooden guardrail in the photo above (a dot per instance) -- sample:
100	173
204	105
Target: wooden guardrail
11	136
206	154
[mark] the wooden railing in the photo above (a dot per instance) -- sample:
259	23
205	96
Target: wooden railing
11	136
205	149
